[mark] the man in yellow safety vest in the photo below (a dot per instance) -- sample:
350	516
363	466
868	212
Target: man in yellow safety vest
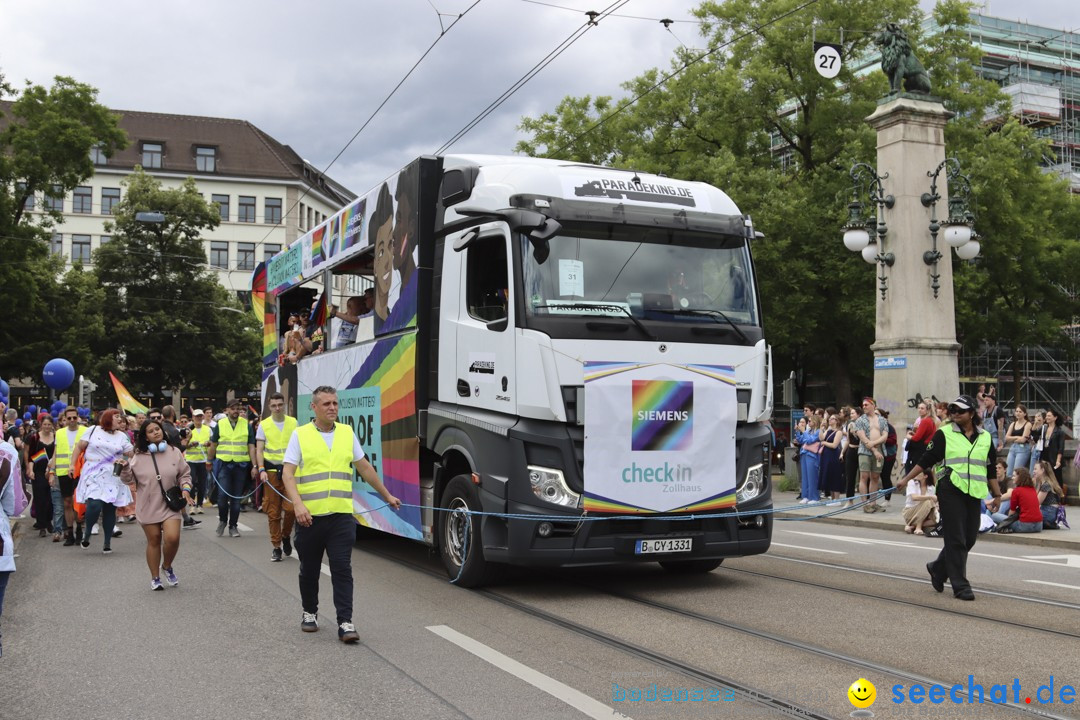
963	457
318	477
271	439
233	443
67	439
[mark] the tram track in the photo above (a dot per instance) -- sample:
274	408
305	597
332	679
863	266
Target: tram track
910	603
922	581
774	703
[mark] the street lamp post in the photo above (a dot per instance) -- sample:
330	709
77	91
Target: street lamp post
859	234
958	232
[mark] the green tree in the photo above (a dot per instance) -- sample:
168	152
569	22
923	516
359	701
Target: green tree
756	120
45	141
170	322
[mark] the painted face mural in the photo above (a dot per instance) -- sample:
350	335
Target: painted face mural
382	227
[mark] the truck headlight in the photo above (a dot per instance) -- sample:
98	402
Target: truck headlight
550	486
753	485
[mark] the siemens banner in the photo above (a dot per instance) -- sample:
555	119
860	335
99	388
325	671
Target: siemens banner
659	437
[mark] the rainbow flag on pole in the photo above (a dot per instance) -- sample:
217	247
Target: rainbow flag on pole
126	399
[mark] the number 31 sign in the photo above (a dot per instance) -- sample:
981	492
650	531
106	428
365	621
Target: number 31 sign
827	59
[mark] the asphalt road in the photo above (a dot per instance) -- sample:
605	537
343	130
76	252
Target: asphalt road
84	636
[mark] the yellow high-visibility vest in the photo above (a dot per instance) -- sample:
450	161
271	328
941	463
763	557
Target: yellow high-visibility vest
966	460
277	440
324	481
232	443
200	435
64	451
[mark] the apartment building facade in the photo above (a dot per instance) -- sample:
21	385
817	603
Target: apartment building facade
266	193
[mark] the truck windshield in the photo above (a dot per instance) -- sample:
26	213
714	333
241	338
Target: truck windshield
672	276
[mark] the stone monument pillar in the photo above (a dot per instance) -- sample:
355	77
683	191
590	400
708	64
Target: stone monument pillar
915	348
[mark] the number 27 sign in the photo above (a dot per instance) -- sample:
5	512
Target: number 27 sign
827	59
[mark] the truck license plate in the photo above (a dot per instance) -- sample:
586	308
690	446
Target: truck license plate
664	546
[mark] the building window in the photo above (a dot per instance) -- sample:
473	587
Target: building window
152	154
273	210
80	249
97	156
301	224
54	199
222	201
205	159
82	200
245	256
219	254
20	188
270	250
109	199
246	209
56	247
105	239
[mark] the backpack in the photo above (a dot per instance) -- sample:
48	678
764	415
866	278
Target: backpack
79	459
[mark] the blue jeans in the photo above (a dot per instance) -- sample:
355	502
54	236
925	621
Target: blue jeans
107	511
1002	513
808	470
1035	455
231	480
57	509
1019	456
1027	527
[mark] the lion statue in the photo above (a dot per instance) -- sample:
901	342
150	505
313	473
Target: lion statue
899	63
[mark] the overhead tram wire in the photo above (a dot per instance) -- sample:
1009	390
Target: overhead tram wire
563	146
615	15
442	34
594	19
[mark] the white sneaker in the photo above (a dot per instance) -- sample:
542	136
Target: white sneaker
804	501
833	504
94	530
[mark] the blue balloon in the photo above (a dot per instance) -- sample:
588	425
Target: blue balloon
28	416
18	422
32	410
58	374
4	389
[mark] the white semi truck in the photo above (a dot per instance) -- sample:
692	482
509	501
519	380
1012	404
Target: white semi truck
562	363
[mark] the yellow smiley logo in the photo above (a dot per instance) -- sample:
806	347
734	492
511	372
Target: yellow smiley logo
862	693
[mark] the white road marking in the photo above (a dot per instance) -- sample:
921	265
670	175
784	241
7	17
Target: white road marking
244	527
801	547
1037	559
865	541
1070	560
575	699
1061	585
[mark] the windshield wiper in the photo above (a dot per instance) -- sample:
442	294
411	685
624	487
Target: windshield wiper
708	313
600	306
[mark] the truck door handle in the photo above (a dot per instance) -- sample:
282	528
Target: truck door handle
463	388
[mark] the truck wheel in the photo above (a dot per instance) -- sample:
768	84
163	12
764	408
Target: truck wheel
690	567
459	534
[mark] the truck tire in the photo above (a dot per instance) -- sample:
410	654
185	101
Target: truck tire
690	567
459	534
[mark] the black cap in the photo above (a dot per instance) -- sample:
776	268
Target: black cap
964	402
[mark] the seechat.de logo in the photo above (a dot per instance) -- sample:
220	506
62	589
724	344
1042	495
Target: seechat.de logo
663	415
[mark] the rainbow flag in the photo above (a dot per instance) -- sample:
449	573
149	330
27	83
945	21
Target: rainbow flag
126	399
317	238
38	456
318	315
258	291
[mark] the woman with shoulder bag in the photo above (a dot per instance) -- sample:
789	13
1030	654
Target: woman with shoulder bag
159	472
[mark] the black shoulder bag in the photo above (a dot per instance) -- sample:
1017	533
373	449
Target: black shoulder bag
174	497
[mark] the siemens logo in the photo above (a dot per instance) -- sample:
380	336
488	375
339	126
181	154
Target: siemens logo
663	415
665	473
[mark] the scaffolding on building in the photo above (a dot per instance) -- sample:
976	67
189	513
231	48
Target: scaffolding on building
1038	68
1048	378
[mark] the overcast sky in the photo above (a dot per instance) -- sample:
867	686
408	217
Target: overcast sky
311	73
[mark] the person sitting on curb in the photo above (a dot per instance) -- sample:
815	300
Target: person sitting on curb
1024	515
920	506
